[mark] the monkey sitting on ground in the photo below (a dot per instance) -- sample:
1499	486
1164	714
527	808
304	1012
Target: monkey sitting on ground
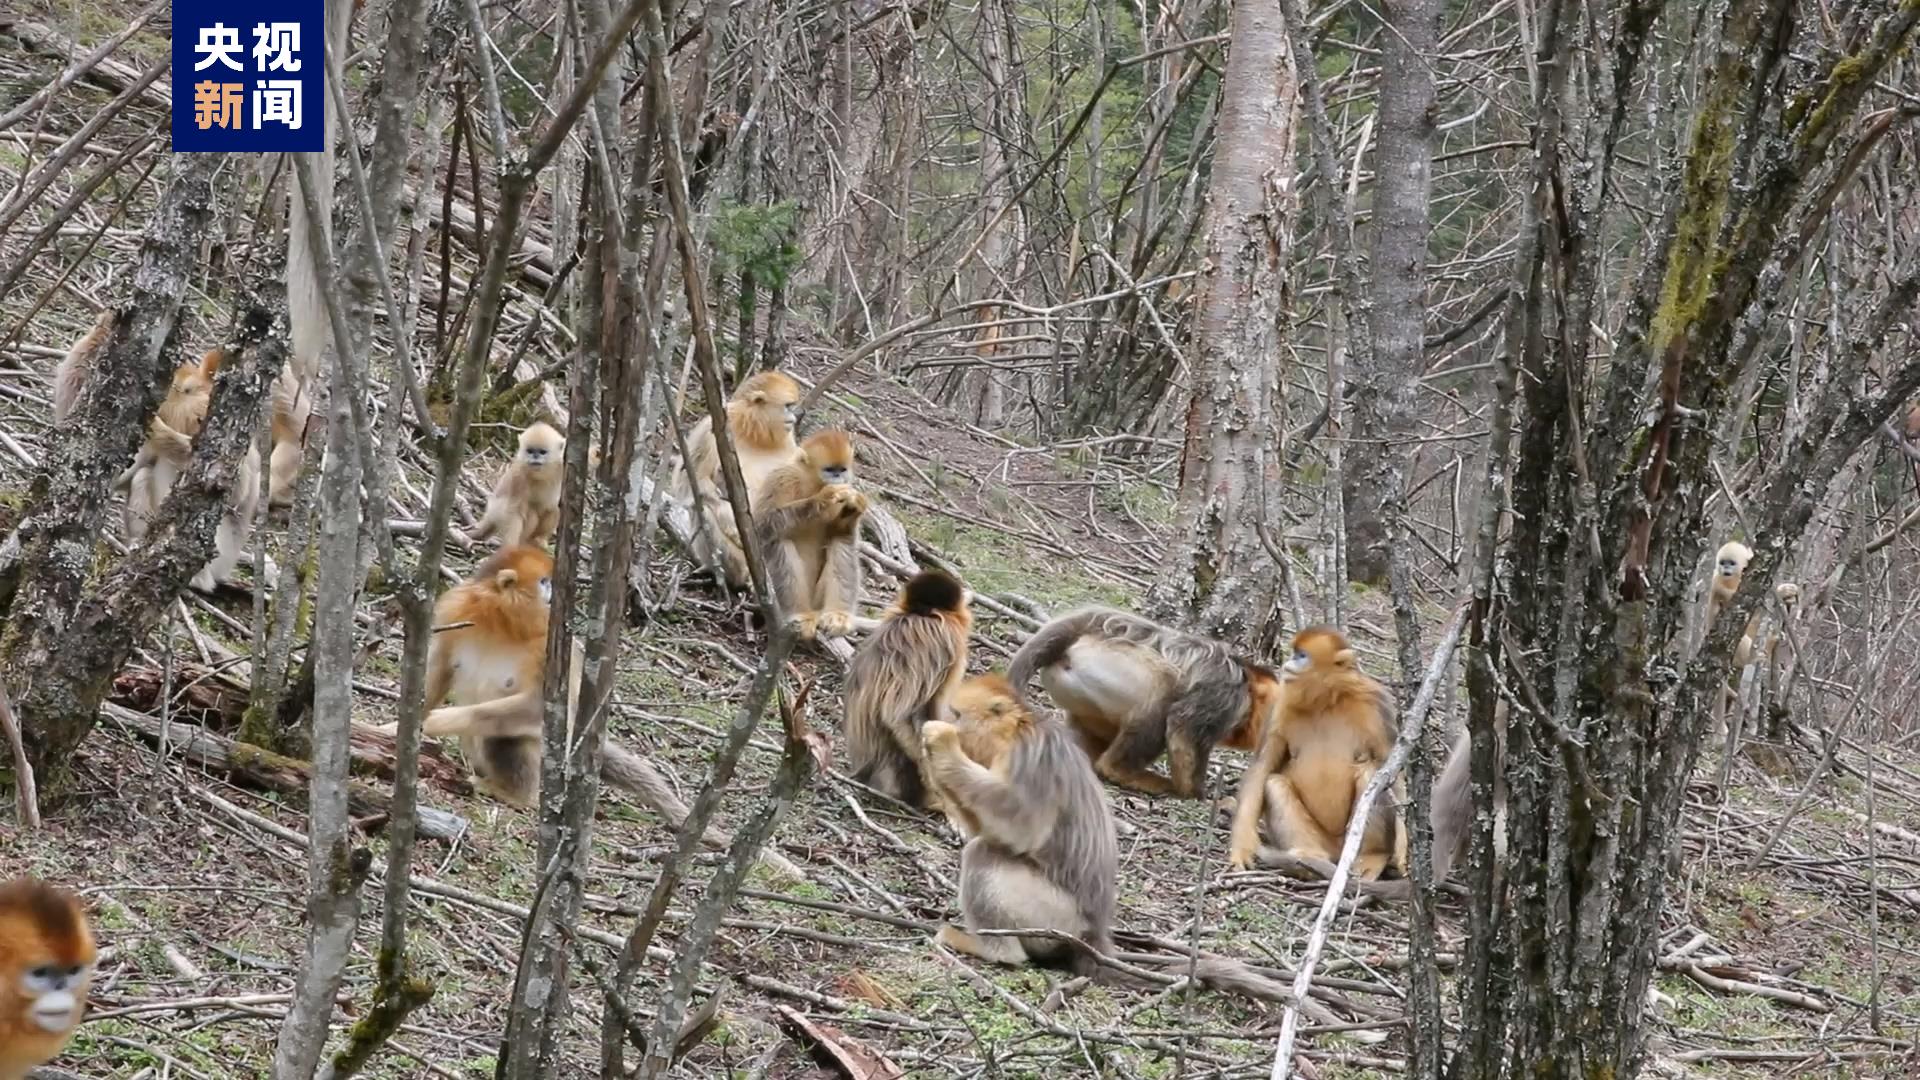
494	669
1135	689
760	418
46	966
1040	852
807	519
1334	730
1451	812
525	505
70	375
901	677
164	457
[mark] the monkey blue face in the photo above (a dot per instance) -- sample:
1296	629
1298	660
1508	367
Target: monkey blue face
1730	567
546	590
1296	664
534	455
57	991
834	474
790	414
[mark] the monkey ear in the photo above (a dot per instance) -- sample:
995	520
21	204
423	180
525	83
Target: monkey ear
1343	658
758	397
507	579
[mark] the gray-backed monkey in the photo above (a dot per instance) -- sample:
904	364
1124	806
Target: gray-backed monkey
807	518
1334	729
1135	689
901	677
760	418
1040	852
525	505
46	965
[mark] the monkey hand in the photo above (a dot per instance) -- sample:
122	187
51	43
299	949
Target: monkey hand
833	623
1241	857
845	501
938	735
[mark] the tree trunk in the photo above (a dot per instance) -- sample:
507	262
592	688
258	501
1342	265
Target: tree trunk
1220	580
58	652
1584	618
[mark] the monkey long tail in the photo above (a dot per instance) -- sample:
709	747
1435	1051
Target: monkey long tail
636	776
1046	647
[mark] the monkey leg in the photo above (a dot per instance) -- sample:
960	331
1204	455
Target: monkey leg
1293	829
1125	760
284	465
998	892
1187	763
999	950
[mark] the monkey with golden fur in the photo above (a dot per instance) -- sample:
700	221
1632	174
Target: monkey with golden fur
760	419
290	407
525	505
1135	689
1334	730
900	678
807	519
46	966
164	457
494	669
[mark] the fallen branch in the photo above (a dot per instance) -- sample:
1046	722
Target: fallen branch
270	771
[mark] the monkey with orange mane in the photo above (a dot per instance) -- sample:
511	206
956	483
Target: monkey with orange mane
1333	730
46	965
760	419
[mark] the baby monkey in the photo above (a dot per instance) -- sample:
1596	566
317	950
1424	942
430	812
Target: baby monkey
525	505
46	966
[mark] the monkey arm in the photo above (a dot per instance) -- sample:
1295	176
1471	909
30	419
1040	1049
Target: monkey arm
1017	817
1268	758
502	718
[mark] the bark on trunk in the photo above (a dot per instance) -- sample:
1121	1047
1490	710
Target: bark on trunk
1609	515
1220	579
65	639
335	867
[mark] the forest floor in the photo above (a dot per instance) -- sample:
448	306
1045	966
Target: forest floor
1787	962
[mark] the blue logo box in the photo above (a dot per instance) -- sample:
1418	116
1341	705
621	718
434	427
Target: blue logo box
249	76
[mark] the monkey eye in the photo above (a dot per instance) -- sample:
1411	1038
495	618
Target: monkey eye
44	971
546	589
1299	654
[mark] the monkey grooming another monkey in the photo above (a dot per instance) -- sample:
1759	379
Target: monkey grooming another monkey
494	669
807	519
1040	853
1334	729
901	677
1135	689
760	419
46	966
164	457
525	505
